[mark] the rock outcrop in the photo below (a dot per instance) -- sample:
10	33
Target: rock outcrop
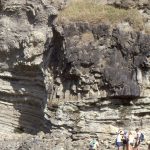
102	81
130	3
25	28
66	83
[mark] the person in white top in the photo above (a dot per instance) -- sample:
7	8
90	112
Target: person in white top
137	139
119	143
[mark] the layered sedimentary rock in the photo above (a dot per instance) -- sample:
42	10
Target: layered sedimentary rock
25	26
74	81
103	77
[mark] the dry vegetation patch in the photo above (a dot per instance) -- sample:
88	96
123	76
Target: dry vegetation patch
92	12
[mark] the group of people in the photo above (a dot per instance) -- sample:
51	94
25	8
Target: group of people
128	141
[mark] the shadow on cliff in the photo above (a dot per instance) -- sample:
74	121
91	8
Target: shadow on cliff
32	94
23	87
29	99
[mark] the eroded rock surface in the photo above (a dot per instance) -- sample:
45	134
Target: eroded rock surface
100	62
25	28
130	3
102	81
68	83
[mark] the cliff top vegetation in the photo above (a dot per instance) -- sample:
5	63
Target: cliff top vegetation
93	12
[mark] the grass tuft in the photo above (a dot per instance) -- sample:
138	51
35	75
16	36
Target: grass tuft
92	12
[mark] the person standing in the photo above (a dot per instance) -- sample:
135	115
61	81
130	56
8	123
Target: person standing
137	139
119	142
130	141
125	140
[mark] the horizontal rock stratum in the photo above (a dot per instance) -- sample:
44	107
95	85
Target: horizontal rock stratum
63	83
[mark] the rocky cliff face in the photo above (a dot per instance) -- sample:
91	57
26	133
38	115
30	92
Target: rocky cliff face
73	81
102	81
25	30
